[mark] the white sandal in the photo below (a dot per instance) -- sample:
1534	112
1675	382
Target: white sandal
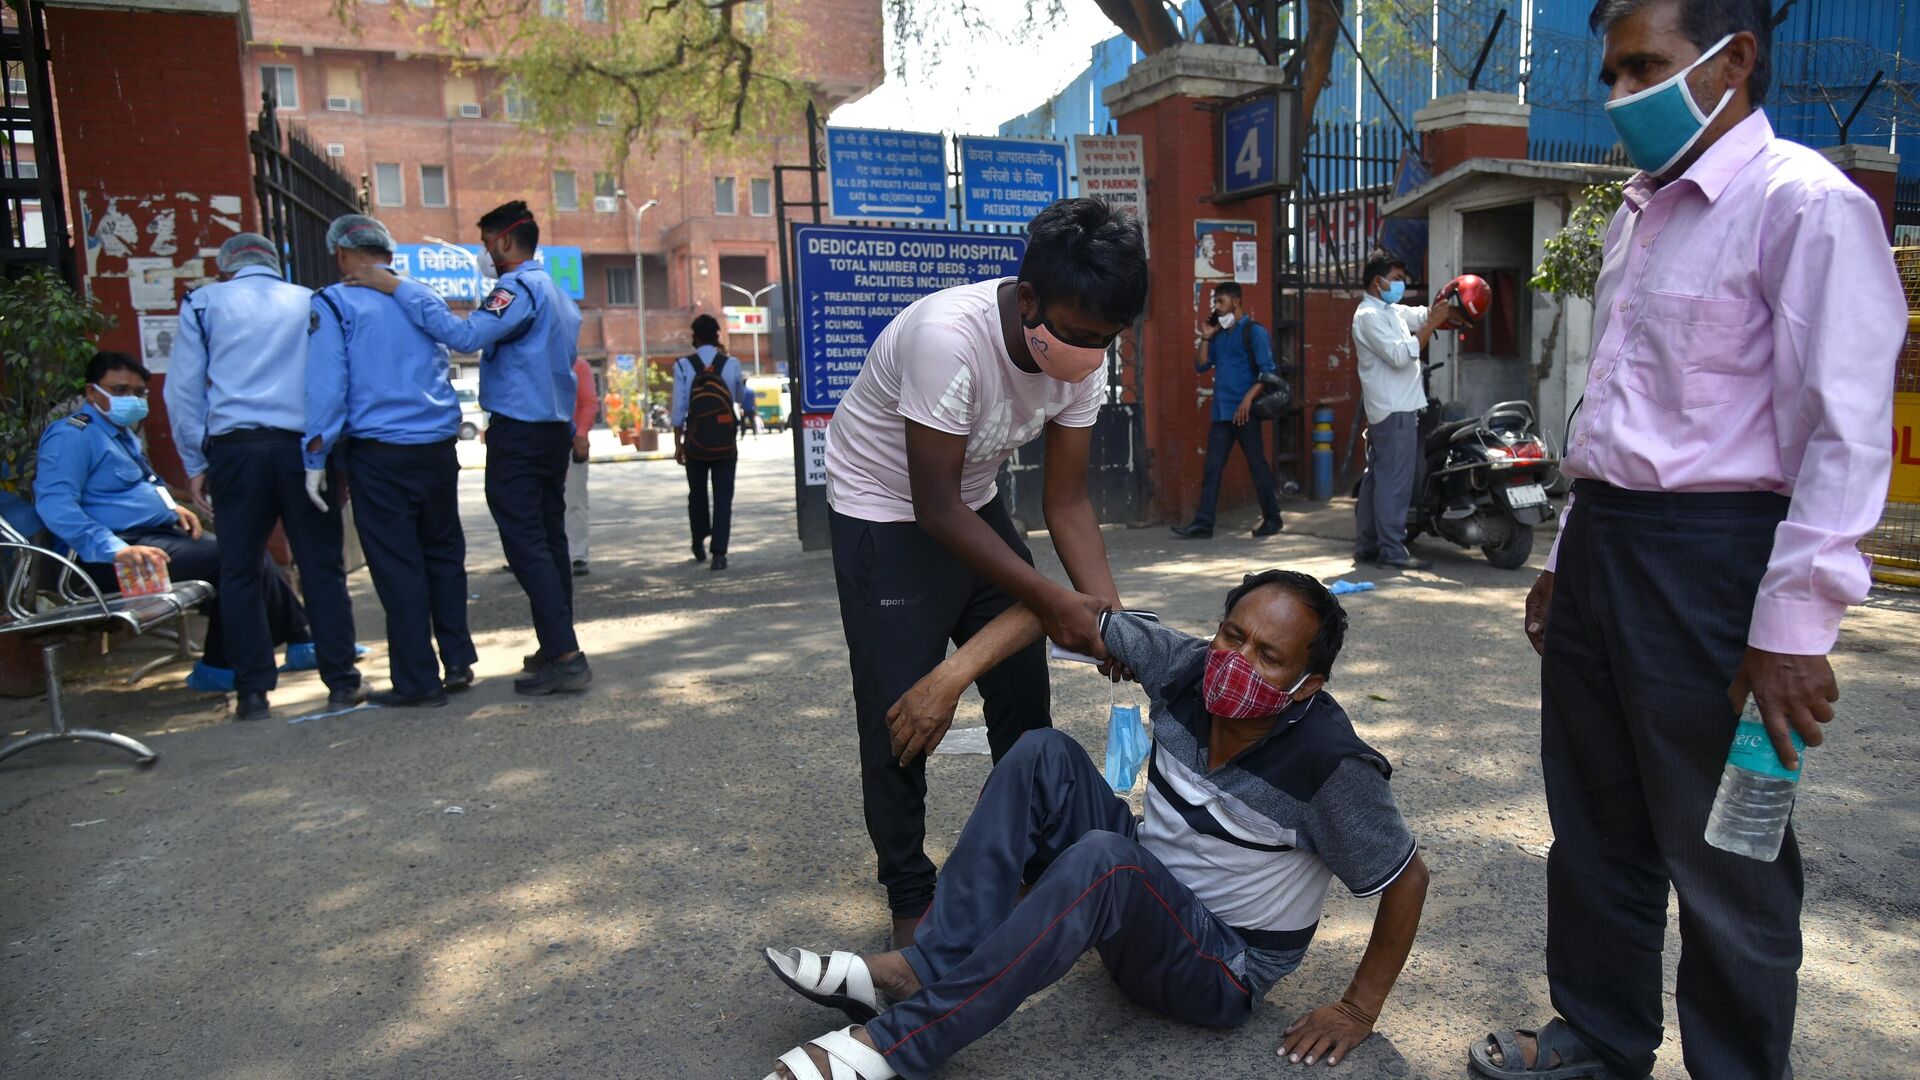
840	981
847	1057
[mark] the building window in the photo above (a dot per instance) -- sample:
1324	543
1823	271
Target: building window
723	200
343	89
386	185
433	185
554	9
420	3
463	97
605	197
594	11
761	192
280	81
512	102
753	18
620	286
566	193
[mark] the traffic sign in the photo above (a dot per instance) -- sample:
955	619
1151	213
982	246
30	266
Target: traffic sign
1008	181
623	361
851	281
1256	143
886	175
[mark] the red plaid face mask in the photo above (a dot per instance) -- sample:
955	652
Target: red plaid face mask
1232	688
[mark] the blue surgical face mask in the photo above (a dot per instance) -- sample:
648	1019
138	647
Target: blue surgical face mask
1394	291
124	411
1660	124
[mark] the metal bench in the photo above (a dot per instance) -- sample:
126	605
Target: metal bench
78	608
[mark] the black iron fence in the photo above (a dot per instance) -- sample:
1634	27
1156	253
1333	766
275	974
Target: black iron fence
301	192
32	203
1906	203
1348	173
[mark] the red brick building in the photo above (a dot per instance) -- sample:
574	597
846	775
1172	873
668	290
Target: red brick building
439	147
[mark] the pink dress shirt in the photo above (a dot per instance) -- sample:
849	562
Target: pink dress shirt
1747	321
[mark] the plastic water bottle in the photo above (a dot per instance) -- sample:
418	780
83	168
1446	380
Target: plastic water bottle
1756	793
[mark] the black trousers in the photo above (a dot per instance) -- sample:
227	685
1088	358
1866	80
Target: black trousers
718	524
1222	435
1648	624
903	597
199	560
527	493
257	478
407	508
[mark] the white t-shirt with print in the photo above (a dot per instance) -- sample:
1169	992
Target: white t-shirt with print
943	363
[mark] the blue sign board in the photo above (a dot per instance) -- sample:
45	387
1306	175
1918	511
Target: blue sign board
1256	144
851	281
451	271
886	175
1007	181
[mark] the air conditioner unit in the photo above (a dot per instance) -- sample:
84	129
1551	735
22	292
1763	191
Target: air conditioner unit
340	104
605	204
470	111
605	119
335	149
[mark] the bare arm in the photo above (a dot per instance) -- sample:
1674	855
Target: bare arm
1069	513
920	719
1332	1030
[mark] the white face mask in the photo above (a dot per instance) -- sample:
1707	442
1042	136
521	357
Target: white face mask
1226	321
487	269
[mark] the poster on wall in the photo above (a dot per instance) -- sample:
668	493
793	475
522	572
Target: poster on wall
156	341
1246	262
1214	259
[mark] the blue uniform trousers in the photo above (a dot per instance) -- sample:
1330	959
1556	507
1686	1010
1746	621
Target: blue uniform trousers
406	506
1048	816
527	492
258	478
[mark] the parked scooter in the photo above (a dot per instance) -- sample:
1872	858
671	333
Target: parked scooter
1482	479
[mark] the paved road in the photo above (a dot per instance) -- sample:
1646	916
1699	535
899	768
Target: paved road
303	900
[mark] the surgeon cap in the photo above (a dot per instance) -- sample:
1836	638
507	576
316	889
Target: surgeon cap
247	249
358	231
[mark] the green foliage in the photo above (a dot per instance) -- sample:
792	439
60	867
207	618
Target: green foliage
46	339
1573	255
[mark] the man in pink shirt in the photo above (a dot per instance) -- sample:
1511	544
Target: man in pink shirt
1730	452
586	409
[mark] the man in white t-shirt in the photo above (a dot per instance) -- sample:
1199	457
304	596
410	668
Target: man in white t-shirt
923	551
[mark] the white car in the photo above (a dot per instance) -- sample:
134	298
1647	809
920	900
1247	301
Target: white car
473	419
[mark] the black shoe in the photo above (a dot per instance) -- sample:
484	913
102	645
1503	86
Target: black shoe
249	706
699	551
555	675
1193	532
348	698
719	562
393	699
1363	557
1268	527
1409	562
532	662
579	568
458	678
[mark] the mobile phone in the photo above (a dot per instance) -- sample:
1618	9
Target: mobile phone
1055	652
1213	318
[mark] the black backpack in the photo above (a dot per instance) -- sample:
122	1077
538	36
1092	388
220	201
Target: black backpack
712	426
1276	394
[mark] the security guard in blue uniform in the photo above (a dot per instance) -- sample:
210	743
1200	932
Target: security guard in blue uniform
527	332
95	490
237	399
380	400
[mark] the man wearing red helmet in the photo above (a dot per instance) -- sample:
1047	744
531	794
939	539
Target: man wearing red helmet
1388	337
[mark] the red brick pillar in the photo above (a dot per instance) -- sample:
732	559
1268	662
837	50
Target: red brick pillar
1169	99
153	142
1471	124
1875	169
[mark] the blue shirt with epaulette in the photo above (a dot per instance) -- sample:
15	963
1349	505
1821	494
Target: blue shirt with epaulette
93	482
373	374
239	361
527	333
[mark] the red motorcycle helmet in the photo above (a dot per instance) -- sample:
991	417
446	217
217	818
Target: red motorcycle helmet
1470	296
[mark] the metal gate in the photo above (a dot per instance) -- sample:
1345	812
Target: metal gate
35	231
300	192
1117	479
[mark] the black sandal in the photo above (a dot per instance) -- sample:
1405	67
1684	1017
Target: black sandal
1559	1054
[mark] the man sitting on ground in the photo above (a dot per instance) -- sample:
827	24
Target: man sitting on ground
1259	794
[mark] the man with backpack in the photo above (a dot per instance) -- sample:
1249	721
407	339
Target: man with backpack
1238	350
708	389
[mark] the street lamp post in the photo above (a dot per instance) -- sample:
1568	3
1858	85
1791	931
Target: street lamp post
753	300
640	282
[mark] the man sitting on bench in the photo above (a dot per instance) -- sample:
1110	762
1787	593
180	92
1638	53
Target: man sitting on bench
1259	794
95	490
